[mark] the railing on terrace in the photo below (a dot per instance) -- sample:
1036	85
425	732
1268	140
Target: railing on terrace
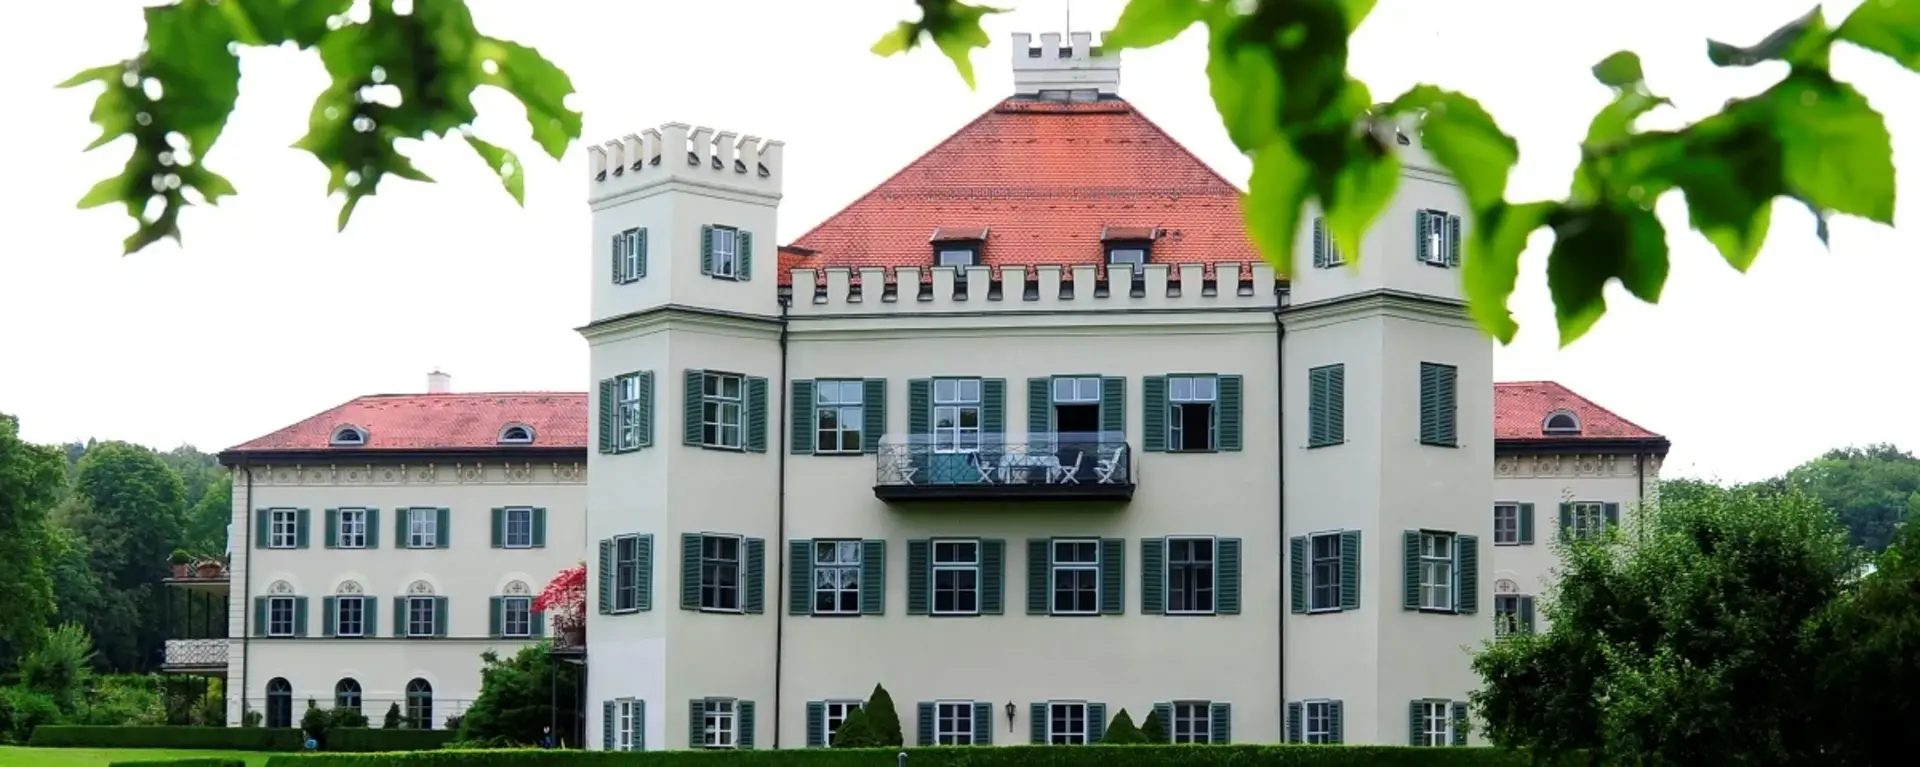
195	653
963	465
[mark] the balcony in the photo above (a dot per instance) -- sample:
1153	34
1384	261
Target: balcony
195	656
1063	466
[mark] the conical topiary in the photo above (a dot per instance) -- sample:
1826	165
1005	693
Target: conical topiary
1121	730
392	720
1153	730
853	732
882	719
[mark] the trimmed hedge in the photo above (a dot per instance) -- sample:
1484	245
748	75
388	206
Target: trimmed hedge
348	739
996	756
195	762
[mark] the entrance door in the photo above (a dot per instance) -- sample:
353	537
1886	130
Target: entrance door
1076	423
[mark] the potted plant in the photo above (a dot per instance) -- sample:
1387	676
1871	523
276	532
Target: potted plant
182	563
564	601
211	568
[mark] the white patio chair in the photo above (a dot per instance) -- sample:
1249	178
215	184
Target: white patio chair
1105	469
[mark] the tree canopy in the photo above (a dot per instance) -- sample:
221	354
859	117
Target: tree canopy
30	482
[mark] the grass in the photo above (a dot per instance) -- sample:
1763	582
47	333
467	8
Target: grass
22	756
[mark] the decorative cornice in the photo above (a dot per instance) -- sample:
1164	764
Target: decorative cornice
1628	446
469	472
1571	466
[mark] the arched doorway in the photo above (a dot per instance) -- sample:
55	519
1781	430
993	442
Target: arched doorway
419	704
279	702
346	694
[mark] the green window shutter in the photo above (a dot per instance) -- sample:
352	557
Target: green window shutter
800	577
400	538
873	577
1429	399
1453	240
1566	521
328	610
539	620
1320	259
746	723
332	536
439	616
1039	409
642	260
1526	614
619	251
496	607
1230	412
262	528
1297	575
993	410
299	616
539	527
499	527
606	576
400	616
373	528
1461	725
1222	723
1612	512
1449	407
757	414
1037	724
689	571
1416	735
696	723
1296	715
1096	722
369	616
982	723
706	267
609	391
1113	576
1153	575
1038	568
259	616
1423	241
923	726
1336	721
301	517
1164	710
606	725
816	724
443	528
756	575
1317	421
993	576
1410	549
1226	576
919	576
919	410
1113	406
1153	414
1466	554
646	419
1526	523
743	260
1350	569
643	573
1337	403
873	414
690	431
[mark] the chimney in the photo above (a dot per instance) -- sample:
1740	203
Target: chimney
1076	71
439	383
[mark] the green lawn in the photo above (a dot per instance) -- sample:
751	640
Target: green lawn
20	756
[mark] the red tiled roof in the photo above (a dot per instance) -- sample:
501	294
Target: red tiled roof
1520	411
439	422
1045	179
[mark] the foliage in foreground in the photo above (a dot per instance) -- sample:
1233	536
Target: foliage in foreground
517	697
965	756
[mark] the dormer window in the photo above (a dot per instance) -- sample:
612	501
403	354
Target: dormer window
957	257
516	434
348	436
958	247
1131	245
1561	423
1137	256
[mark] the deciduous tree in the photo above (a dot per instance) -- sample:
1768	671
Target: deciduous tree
31	478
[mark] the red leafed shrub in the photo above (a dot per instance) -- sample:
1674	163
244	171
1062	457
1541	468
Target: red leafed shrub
564	600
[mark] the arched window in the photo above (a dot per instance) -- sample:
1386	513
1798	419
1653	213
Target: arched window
346	694
348	435
419	704
516	434
1561	422
279	702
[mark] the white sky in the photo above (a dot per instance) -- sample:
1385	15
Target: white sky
267	315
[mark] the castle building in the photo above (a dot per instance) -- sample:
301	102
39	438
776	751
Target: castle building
1029	434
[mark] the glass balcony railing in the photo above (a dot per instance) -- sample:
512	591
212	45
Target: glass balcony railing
958	465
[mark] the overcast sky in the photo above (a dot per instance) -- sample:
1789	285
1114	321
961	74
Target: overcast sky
266	315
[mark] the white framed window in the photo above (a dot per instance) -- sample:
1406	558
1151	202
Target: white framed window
421	617
720	724
957	257
1191	576
1191	404
517	524
1326	252
838	415
1076	577
283	530
1436	571
627	726
626	573
1589	518
1067	724
720	573
1076	391
1561	423
837	713
956	577
1323	573
516	434
280	616
516	617
423	528
629	256
956	415
953	723
627	411
1436	722
349	616
352	533
836	577
1440	237
348	436
1318	727
1192	721
1506	615
726	252
1135	256
1506	524
722	412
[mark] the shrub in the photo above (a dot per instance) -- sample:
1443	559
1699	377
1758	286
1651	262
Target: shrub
392	720
249	718
348	717
122	700
22	710
235	738
1153	730
203	761
517	697
883	720
60	666
854	732
998	756
315	723
1121	730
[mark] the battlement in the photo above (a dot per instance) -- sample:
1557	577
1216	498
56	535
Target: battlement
1015	289
676	151
1051	67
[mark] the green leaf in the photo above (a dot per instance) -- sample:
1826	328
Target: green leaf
1245	83
1835	150
1361	191
1888	27
504	163
1276	191
1620	70
1804	41
954	27
1596	245
1491	268
1465	140
1147	23
539	85
900	39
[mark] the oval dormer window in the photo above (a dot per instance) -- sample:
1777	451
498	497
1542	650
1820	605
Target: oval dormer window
348	436
516	434
1561	423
